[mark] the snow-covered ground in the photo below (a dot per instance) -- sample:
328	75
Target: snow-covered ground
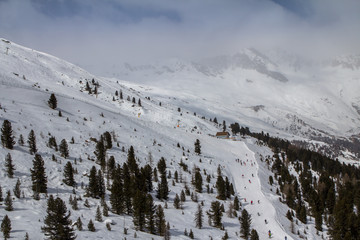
28	77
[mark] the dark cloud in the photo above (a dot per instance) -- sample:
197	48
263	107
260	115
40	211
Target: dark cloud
101	33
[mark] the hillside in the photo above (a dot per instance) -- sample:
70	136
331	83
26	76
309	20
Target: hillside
166	124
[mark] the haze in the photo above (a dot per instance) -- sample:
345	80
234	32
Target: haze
98	34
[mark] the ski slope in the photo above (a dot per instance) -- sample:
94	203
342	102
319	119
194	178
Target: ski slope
28	77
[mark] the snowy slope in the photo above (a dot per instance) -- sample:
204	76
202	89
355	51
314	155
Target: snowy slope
28	77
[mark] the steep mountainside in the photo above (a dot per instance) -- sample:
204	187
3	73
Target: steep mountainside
163	120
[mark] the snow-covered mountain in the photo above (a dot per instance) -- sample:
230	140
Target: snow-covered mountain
177	102
283	94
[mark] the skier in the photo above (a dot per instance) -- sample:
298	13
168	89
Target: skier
269	234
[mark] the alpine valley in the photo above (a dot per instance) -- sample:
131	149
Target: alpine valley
136	153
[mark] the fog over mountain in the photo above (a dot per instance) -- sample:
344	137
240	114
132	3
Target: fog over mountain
99	34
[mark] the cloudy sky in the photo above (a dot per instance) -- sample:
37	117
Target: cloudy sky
103	32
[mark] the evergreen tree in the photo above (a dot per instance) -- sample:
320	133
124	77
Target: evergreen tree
26	236
17	190
139	102
221	188
191	234
150	214
79	224
58	224
100	153
69	175
7	139
93	187
236	203
32	142
254	235
64	149
107	140
1	196
177	201
10	168
199	217
147	173
8	202
131	161
127	189
91	226
197	146
38	175
215	214
224	126
52	101
182	196
98	216
163	189
121	95
160	223
74	204
133	100
21	140
6	227
139	210
117	195
52	143
101	184
198	180
245	223
105	211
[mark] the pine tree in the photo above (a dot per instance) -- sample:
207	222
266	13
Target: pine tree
199	217
105	211
91	226
139	209
69	175
177	201
93	187
58	224
197	146
1	196
100	153
79	224
38	176
10	168
52	101
21	140
163	189
64	149
182	196
117	195
221	188
101	184
236	203
98	216
74	203
254	235
7	139
16	189
107	140
121	94
198	180
8	202
6	227
191	234
26	236
139	102
160	223
215	214
52	143
245	223
32	142
150	214
127	189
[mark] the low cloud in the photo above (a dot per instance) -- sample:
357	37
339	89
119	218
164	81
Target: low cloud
98	34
